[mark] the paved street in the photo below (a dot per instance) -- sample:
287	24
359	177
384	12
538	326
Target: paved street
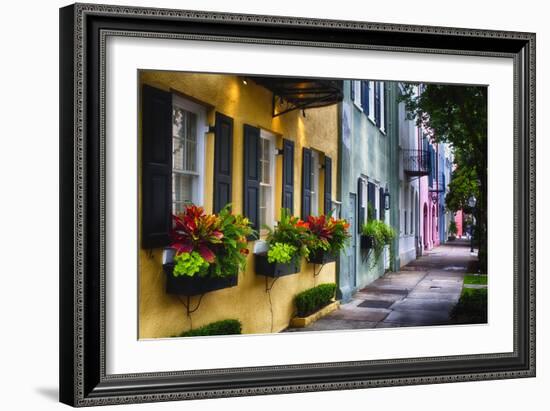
422	293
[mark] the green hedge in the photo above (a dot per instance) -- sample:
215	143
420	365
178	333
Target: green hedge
472	307
224	327
309	301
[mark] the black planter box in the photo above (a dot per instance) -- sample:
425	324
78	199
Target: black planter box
367	242
185	285
263	267
321	257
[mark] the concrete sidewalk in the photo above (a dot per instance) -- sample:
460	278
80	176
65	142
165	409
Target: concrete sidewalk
422	293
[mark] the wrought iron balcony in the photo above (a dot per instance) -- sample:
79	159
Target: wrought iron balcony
416	163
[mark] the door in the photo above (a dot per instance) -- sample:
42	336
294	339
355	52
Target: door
353	240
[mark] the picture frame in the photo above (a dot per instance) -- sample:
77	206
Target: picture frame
83	377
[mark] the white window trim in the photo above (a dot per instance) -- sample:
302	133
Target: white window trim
200	112
365	204
382	102
270	216
356	84
371	101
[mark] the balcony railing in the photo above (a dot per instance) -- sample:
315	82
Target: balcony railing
416	163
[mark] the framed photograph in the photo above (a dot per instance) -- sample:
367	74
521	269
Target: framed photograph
261	204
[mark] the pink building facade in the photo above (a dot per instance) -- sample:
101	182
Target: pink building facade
459	219
429	206
429	228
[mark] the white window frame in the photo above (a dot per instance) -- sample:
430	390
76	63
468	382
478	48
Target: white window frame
270	210
201	129
365	199
382	103
356	84
371	101
315	188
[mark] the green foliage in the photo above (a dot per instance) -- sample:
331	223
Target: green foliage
381	233
457	115
309	301
452	228
475	279
464	184
370	212
190	264
213	244
327	233
281	253
231	256
223	327
472	307
292	231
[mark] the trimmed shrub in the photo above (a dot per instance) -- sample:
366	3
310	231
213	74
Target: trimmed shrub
223	327
472	307
309	301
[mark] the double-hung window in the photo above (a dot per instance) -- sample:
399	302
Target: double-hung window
188	128
267	179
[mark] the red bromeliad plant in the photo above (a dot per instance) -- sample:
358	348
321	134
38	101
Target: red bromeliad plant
328	233
196	231
209	243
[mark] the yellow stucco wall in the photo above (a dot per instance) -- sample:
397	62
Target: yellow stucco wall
163	315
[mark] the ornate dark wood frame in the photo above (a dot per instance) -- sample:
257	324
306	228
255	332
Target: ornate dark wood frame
83	30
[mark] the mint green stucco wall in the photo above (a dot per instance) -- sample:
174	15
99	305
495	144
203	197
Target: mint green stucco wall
369	153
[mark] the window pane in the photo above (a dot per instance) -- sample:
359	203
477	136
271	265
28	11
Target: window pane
184	132
178	150
191	155
182	191
264	197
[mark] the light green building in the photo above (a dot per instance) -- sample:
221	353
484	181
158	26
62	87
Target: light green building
368	169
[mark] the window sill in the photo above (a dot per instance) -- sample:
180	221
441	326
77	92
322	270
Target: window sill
358	107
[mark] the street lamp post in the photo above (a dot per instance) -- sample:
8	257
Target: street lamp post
472	204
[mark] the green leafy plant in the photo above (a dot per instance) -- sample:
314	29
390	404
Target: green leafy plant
281	253
471	308
223	327
189	264
381	233
452	228
209	244
313	299
370	212
290	230
327	233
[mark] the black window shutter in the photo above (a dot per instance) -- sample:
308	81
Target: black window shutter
156	154
377	103
360	208
371	188
328	185
352	90
251	189
288	175
223	154
365	96
381	204
306	182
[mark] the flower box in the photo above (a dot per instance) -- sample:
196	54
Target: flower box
185	285
367	242
321	257
263	267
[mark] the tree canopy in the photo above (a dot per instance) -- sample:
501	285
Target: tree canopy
456	115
